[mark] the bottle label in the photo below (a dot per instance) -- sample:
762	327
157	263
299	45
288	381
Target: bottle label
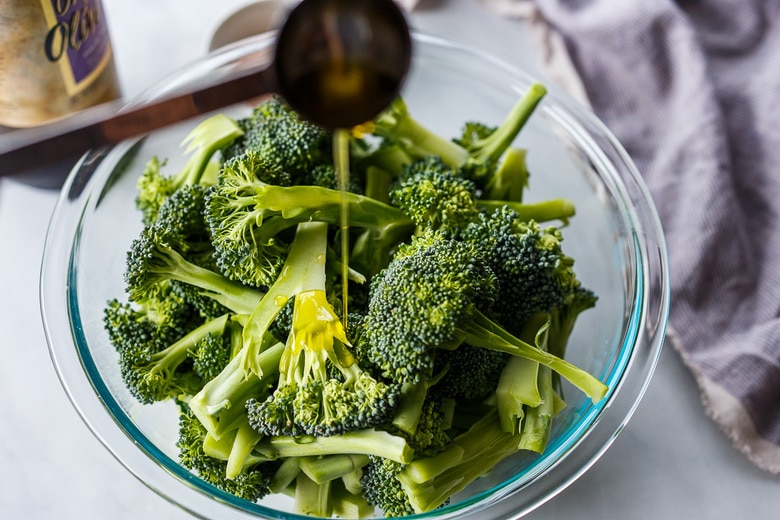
77	40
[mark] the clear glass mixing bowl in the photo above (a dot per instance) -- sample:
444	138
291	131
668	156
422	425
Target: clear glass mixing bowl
615	238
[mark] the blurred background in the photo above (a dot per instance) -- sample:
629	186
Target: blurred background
671	461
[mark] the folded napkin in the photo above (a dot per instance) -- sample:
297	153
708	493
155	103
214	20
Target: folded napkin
692	90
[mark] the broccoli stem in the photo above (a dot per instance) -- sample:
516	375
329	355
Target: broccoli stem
168	360
518	386
542	211
416	139
538	419
241	452
510	179
429	481
314	203
413	396
312	499
285	474
483	332
221	400
331	467
358	442
211	135
304	270
170	264
493	146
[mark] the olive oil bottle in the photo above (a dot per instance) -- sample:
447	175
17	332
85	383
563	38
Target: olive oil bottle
55	59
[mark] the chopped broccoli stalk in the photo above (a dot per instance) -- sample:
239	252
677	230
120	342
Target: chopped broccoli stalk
429	481
330	467
398	126
311	498
285	474
348	504
219	405
482	332
357	442
542	211
412	400
478	149
518	386
485	147
538	419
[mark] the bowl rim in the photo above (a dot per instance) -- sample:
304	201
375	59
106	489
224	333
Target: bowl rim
93	403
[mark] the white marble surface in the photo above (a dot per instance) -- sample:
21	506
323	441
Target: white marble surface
670	461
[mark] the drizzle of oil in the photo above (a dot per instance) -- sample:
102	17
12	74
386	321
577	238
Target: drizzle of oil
341	162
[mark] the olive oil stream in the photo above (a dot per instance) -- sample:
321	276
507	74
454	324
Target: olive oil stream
341	162
348	93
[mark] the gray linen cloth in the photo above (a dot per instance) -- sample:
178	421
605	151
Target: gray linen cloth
692	90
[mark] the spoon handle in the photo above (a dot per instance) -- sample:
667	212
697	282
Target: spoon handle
30	148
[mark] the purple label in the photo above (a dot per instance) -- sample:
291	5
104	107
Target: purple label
79	35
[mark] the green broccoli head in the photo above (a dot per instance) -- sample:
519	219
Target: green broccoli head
289	142
160	320
382	488
152	263
236	221
534	275
252	221
417	303
471	373
435	196
182	216
321	391
209	137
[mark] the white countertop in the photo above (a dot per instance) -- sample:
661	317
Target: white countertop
670	462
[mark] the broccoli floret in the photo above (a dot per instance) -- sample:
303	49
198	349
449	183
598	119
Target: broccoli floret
472	372
534	275
182	216
382	488
310	399
435	196
431	285
248	217
432	296
439	197
321	390
210	136
326	176
152	263
289	143
251	483
156	375
486	145
211	355
156	321
478	149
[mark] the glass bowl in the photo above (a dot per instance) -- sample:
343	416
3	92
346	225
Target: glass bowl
616	239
